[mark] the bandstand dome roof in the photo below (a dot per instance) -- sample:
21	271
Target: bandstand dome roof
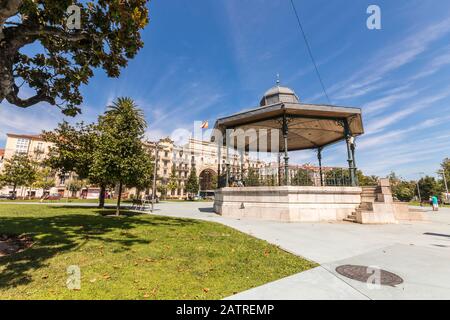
310	126
278	94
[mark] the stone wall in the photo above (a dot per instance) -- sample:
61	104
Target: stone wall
302	203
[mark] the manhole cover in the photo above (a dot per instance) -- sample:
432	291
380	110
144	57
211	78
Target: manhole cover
363	273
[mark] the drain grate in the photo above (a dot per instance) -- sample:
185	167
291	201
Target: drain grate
363	273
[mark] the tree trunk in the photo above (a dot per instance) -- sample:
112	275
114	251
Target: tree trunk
118	199
101	197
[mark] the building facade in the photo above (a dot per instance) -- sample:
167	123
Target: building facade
37	150
174	164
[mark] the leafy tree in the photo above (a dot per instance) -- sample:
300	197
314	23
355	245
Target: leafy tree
364	180
145	180
74	186
252	178
429	187
107	38
404	190
192	185
337	177
173	180
18	171
162	189
73	151
301	178
393	178
120	154
45	179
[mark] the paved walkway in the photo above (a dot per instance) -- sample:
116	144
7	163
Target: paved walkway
419	252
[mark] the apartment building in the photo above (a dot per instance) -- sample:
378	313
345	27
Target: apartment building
36	149
202	155
171	158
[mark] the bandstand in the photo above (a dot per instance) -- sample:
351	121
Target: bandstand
282	124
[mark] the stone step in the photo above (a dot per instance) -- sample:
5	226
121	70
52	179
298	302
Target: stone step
368	199
365	205
350	220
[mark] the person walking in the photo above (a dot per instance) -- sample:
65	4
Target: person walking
435	202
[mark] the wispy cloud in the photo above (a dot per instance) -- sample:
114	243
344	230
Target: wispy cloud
436	64
378	124
389	59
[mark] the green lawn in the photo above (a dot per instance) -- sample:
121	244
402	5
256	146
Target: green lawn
133	256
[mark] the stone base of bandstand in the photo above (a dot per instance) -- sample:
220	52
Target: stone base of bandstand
288	203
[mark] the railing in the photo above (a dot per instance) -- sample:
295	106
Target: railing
297	176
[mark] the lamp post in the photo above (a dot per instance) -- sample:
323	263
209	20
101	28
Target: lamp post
154	175
445	184
418	188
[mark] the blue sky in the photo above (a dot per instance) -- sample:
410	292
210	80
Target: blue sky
208	58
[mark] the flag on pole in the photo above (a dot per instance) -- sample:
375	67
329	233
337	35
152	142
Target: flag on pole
205	124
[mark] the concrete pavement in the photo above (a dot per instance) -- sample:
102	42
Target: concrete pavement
418	252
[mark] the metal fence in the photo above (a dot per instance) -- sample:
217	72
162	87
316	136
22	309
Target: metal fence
297	176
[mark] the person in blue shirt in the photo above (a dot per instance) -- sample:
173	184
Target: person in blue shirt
435	202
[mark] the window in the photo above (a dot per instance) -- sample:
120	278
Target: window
22	145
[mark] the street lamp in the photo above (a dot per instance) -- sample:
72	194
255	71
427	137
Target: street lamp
445	184
154	175
418	188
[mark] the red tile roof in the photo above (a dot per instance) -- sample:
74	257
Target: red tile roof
2	152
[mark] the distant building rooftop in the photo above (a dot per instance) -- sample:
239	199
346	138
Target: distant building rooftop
27	136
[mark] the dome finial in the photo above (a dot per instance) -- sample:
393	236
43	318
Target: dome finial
278	79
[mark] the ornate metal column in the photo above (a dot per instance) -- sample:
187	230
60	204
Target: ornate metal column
241	166
286	154
219	159
227	161
352	147
348	139
319	157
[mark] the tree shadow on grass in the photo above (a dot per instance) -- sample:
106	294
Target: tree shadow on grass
69	231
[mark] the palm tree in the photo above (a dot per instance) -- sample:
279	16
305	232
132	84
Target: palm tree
125	108
121	155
